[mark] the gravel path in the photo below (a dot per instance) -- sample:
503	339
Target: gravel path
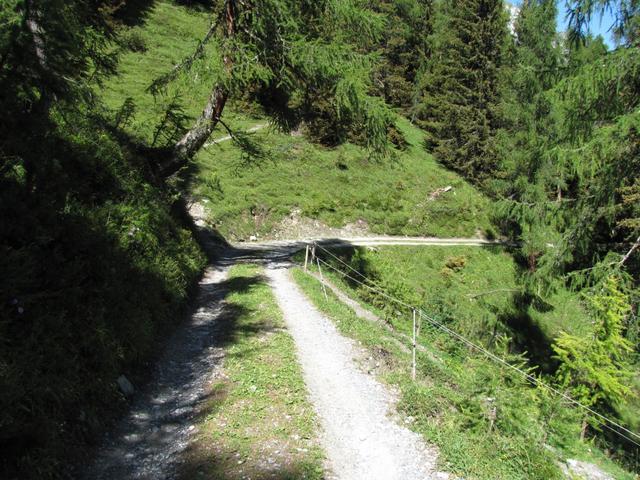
360	439
148	444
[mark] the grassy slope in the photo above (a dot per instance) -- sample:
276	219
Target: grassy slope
334	185
474	285
258	422
448	403
337	186
170	33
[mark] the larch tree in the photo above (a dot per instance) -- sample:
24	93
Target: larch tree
596	370
534	64
284	48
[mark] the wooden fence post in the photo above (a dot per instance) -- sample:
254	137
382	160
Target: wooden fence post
413	362
306	257
324	289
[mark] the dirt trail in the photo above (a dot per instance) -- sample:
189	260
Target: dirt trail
361	440
226	138
150	441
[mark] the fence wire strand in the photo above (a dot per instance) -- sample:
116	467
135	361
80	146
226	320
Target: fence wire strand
606	422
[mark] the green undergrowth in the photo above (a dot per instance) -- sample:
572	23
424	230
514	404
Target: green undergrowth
337	186
487	421
257	422
96	268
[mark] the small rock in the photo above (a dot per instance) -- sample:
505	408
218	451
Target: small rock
584	470
253	238
125	386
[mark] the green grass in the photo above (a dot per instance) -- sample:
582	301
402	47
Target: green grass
170	33
474	286
450	403
336	186
259	411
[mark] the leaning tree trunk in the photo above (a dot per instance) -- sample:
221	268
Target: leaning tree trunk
196	137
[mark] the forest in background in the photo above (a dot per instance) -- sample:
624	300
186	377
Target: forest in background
97	256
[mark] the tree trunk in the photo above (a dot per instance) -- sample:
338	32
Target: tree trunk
33	26
196	137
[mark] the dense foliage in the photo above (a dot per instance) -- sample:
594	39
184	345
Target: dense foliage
96	266
460	88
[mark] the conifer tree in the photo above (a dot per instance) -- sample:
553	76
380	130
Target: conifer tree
460	88
596	370
530	126
287	49
404	48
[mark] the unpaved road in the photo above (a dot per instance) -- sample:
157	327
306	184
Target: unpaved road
148	444
298	244
226	138
360	439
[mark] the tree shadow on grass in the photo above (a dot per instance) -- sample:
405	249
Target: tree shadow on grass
134	12
210	463
527	335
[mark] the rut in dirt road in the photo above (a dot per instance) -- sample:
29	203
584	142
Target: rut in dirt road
360	439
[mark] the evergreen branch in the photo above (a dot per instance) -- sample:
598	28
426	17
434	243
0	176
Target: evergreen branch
159	83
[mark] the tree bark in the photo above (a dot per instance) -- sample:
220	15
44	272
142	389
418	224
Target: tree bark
196	137
630	252
34	28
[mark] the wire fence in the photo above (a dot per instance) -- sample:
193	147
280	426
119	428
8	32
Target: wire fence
419	315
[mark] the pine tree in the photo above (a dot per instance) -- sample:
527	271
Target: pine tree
404	49
530	126
460	89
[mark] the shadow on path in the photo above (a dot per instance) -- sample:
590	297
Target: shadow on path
150	441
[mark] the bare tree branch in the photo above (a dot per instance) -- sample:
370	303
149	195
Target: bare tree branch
186	63
634	247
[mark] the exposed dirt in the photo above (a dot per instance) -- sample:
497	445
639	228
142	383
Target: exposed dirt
295	225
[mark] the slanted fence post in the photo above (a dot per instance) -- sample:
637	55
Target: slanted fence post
324	289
